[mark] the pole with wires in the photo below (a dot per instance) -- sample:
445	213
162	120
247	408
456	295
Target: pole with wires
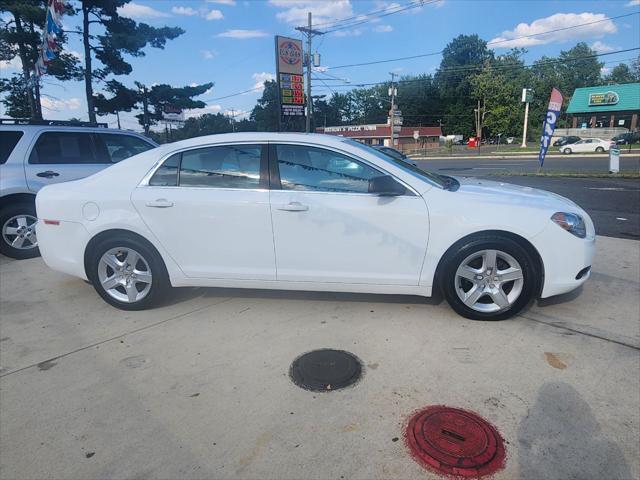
392	94
310	32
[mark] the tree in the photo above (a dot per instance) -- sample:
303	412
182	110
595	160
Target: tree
163	95
16	98
121	36
621	73
123	99
21	36
266	113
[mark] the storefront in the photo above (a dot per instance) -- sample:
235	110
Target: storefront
607	106
409	138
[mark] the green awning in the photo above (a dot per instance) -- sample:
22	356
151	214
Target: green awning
606	98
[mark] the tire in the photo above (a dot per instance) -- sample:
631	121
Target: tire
567	151
139	287
492	297
18	230
599	149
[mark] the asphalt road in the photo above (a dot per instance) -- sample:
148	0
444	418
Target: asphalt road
613	203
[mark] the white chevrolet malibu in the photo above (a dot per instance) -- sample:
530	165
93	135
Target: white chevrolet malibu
310	212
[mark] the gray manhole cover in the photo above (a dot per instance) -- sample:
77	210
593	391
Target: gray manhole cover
324	370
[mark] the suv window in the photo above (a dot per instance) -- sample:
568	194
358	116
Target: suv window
230	166
119	147
317	169
63	147
167	174
8	141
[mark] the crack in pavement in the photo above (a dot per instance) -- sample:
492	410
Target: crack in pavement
146	327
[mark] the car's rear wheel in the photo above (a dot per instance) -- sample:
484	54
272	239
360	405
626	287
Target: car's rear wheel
599	149
18	229
490	278
127	272
567	151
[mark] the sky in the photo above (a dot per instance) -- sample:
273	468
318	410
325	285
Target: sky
231	42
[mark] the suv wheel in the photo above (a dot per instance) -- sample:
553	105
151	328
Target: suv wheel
128	273
18	231
490	278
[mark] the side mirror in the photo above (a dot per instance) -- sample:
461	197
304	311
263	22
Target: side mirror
386	186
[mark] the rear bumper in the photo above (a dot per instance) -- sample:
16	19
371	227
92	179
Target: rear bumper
62	246
565	259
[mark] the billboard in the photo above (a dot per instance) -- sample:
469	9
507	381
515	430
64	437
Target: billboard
289	72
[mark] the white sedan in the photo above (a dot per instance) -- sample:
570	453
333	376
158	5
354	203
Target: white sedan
587	145
310	212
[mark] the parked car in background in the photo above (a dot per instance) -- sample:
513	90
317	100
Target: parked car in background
33	155
392	152
310	212
566	140
627	138
587	145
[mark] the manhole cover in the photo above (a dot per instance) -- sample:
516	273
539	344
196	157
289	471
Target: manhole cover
324	370
455	442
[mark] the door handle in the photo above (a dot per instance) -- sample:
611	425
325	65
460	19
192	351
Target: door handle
293	207
160	203
48	174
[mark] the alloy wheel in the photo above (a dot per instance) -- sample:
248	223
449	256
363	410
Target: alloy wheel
489	281
19	232
124	274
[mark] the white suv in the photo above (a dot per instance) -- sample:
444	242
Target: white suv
35	155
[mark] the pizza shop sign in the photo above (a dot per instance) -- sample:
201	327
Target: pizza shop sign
603	98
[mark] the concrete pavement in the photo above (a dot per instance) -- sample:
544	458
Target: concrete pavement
199	388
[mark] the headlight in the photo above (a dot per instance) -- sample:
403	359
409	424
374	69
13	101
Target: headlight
571	222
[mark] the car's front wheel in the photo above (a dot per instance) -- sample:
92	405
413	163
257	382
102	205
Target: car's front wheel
489	278
567	151
18	224
127	272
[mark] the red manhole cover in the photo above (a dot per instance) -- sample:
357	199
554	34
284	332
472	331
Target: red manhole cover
455	442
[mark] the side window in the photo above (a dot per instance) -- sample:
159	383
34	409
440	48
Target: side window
8	141
316	169
119	147
63	147
167	174
231	166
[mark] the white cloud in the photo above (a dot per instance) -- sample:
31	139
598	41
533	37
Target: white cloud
356	32
196	112
188	11
13	64
601	47
633	3
554	22
383	28
260	78
214	15
296	11
231	3
138	11
207	54
242	34
55	105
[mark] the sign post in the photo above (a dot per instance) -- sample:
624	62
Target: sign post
289	76
527	96
614	159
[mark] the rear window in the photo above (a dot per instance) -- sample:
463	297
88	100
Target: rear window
8	141
113	147
63	147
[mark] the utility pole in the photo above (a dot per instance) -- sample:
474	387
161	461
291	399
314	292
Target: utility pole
310	32
145	109
392	94
233	120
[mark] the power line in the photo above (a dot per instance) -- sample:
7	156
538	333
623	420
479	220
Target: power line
332	23
411	57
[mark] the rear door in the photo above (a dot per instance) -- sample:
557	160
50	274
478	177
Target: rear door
61	156
209	207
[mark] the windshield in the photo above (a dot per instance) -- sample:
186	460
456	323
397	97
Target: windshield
432	178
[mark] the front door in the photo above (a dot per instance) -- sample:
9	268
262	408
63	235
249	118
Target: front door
209	208
328	228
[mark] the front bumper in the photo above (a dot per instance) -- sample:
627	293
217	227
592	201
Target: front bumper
565	257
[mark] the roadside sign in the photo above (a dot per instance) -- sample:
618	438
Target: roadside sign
416	135
289	74
614	159
172	113
549	125
397	128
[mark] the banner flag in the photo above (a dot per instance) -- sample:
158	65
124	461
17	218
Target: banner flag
51	32
549	125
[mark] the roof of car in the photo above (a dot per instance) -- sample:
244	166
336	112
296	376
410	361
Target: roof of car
62	128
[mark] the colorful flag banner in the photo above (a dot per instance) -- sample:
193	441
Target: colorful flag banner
549	125
50	35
